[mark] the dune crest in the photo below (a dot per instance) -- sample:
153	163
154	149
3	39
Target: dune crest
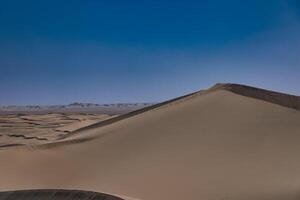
287	100
282	99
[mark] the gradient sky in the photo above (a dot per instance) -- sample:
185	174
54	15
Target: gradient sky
108	51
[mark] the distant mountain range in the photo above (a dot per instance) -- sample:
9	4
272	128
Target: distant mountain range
114	108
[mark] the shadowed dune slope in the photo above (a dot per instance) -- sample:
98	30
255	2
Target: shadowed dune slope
55	195
215	145
282	99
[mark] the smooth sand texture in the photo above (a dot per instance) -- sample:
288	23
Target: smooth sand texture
213	145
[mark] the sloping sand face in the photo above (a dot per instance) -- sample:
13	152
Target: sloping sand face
212	145
55	195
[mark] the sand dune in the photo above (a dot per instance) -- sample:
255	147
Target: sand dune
229	142
287	100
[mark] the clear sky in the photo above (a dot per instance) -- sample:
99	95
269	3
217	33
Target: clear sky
107	51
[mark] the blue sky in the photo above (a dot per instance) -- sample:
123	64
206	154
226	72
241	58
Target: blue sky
58	52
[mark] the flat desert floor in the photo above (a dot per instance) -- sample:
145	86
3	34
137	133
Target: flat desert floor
30	129
230	142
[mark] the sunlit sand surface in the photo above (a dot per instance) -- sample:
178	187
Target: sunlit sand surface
229	142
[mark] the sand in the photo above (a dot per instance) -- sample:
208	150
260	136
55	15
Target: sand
34	129
213	145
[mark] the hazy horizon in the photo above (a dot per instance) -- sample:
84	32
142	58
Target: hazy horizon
54	53
116	103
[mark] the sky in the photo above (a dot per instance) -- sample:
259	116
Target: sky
111	51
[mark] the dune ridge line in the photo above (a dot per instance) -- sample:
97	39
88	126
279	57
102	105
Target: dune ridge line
282	99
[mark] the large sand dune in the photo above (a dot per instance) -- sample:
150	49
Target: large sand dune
228	143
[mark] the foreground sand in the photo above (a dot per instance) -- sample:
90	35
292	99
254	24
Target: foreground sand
213	145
